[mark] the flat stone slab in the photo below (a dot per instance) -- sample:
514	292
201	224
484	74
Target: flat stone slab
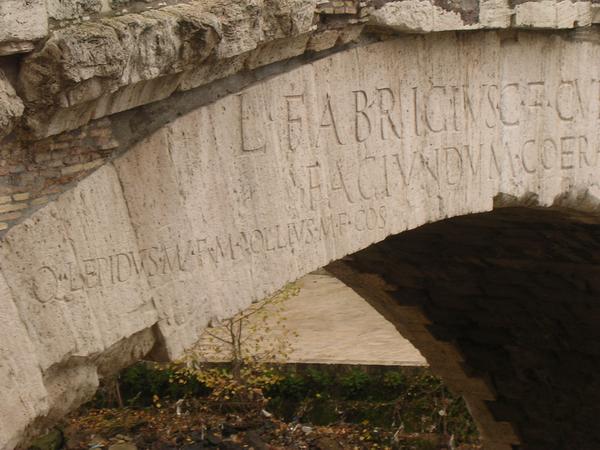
335	325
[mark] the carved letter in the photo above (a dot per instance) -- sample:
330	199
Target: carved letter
468	102
434	173
583	153
416	111
498	165
504	103
342	184
73	277
457	157
45	284
90	267
537	92
567	151
359	112
120	276
406	177
441	125
528	144
568	100
475	164
548	161
314	183
294	121
329	123
252	122
385	111
361	189
493	103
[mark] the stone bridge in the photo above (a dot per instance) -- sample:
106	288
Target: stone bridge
164	164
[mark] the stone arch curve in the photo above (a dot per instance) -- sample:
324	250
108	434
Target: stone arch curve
230	201
503	305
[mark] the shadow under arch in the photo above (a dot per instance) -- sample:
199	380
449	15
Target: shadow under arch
505	307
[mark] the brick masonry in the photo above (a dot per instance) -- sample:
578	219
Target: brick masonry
504	306
31	173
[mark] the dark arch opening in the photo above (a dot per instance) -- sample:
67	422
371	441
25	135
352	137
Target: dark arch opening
506	308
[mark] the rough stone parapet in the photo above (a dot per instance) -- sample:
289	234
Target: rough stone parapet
102	58
80	64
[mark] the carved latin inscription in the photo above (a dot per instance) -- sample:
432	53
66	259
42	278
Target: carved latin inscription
354	158
193	255
396	112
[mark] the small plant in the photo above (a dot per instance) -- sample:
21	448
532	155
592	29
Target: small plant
250	350
354	383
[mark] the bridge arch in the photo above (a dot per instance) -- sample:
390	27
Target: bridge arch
503	306
228	202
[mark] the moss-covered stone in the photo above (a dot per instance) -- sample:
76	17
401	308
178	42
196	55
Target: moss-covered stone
51	441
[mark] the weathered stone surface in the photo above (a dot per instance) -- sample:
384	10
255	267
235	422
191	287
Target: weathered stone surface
21	387
11	106
73	9
82	63
227	203
94	69
424	16
21	23
417	16
247	24
553	14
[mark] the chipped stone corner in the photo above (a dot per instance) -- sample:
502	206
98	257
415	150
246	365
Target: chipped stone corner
417	16
22	23
11	107
551	14
427	16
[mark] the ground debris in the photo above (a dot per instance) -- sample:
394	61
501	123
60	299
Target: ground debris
201	427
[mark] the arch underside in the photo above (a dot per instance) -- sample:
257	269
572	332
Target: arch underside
504	306
227	203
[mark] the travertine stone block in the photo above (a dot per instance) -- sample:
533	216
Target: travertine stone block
22	22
